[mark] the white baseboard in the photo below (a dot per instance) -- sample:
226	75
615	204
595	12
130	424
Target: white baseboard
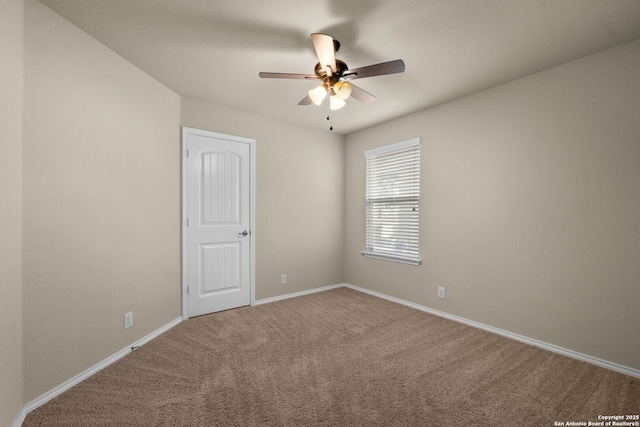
551	347
39	401
20	418
299	294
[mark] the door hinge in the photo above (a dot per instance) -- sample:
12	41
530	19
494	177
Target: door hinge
187	289
187	221
188	154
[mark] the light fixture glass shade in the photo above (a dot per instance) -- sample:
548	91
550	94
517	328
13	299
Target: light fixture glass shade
317	94
342	90
336	103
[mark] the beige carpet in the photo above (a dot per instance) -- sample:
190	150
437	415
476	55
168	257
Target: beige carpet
339	358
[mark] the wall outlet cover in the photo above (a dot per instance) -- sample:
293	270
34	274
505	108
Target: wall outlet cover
128	320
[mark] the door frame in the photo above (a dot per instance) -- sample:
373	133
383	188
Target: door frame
252	202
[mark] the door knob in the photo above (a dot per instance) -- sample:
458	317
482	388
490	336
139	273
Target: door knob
244	233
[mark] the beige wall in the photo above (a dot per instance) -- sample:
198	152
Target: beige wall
529	208
101	201
299	197
11	51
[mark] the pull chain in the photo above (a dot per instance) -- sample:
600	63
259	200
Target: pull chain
329	116
330	123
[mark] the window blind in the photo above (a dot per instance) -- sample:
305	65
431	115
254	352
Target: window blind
392	202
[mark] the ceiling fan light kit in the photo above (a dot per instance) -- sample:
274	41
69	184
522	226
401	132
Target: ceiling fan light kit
335	103
318	94
335	75
342	90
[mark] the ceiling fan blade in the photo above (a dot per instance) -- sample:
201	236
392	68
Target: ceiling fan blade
361	95
305	101
383	68
287	76
325	50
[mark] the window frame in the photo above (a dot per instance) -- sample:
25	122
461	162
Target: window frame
409	197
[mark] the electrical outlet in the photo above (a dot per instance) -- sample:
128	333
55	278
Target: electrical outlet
440	292
128	320
283	279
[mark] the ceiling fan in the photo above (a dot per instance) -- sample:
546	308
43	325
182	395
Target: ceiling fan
335	76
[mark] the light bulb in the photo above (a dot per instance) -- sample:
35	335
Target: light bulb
342	90
336	103
317	94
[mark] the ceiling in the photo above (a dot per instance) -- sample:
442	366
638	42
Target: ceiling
213	49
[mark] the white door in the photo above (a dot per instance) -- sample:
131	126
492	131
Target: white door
218	253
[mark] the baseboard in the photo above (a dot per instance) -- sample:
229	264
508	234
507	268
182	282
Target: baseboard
541	344
20	418
39	401
299	294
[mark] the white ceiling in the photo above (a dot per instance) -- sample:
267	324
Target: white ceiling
213	49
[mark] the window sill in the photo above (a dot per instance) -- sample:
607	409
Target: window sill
393	258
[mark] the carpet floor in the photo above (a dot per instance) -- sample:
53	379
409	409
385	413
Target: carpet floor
339	358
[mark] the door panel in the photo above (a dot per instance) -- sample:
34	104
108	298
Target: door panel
220	267
220	191
218	244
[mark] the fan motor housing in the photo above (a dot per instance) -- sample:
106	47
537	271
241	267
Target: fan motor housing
341	67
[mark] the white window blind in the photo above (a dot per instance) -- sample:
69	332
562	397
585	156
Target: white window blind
393	196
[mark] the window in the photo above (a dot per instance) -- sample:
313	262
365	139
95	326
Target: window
393	193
